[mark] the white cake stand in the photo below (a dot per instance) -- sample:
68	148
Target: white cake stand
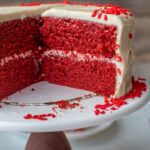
11	117
83	133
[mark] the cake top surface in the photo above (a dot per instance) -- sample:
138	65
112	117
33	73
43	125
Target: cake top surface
108	14
35	9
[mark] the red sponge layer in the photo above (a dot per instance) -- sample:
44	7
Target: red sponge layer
18	36
96	76
16	75
83	36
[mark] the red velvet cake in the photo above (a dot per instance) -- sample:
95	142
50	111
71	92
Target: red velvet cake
85	47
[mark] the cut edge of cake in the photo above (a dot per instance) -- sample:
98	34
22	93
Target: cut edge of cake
124	55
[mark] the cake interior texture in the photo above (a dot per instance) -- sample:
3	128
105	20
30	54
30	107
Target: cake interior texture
70	66
83	36
64	51
18	36
19	39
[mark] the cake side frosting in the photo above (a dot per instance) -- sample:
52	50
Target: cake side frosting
124	22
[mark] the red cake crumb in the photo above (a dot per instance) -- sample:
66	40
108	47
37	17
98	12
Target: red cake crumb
130	36
97	112
63	104
110	9
95	12
118	58
138	87
83	36
39	117
28	116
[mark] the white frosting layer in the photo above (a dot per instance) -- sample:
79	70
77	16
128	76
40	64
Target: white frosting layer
17	12
124	27
24	55
76	56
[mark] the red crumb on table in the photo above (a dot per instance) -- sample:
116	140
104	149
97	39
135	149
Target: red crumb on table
118	58
63	104
138	87
33	89
99	16
111	9
95	12
28	116
39	117
130	36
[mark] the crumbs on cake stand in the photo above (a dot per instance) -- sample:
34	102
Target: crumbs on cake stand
112	104
109	104
40	116
57	109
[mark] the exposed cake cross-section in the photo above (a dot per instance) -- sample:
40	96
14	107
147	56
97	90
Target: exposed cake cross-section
87	47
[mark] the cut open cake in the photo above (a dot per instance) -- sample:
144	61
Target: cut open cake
86	47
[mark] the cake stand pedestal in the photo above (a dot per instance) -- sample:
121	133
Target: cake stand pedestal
83	133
